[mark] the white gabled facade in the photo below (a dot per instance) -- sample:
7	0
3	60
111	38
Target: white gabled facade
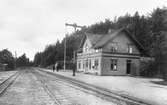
89	60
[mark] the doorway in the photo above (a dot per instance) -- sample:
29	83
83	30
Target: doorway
128	66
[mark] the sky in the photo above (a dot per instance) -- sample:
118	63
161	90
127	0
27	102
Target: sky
27	26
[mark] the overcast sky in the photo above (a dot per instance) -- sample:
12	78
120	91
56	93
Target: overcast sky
29	25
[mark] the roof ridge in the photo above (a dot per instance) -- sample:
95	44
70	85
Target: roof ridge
98	40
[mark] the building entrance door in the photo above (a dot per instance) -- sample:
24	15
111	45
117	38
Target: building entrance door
128	66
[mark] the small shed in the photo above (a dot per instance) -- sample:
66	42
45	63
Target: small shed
3	66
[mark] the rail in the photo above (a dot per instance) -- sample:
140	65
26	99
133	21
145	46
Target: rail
99	90
8	82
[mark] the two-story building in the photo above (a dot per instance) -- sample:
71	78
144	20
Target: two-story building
115	53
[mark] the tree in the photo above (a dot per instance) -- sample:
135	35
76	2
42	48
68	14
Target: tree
22	61
6	57
37	59
159	29
101	27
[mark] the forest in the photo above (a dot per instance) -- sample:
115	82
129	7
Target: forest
150	30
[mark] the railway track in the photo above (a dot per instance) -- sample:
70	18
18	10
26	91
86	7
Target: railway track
8	82
57	98
99	92
75	87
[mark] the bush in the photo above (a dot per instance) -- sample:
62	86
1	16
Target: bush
147	68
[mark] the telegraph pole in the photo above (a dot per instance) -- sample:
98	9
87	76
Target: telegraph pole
15	60
75	29
65	52
74	25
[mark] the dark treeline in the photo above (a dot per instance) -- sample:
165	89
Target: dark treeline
150	30
23	61
9	62
55	52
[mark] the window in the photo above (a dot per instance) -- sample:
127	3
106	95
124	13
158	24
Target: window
113	47
130	49
86	63
114	64
83	65
86	48
96	50
96	64
79	65
90	64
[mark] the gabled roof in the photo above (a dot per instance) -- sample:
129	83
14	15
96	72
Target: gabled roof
93	38
99	40
104	39
108	37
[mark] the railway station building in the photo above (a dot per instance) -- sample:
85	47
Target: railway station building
115	53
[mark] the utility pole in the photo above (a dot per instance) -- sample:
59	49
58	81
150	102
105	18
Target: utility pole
65	52
75	29
15	60
74	25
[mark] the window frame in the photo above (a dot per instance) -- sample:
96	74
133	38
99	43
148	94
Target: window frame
130	48
79	64
114	64
96	64
90	64
114	47
86	63
86	47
